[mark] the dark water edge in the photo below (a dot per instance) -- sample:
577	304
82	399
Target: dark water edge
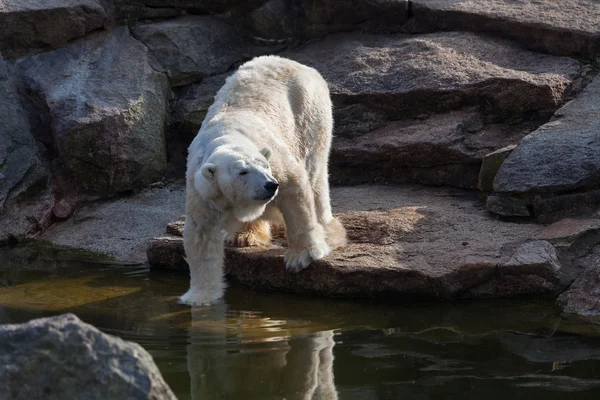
265	345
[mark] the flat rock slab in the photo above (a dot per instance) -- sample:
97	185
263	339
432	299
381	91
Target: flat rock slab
428	243
562	155
566	27
375	79
42	24
123	228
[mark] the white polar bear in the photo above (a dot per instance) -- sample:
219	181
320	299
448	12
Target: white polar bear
261	152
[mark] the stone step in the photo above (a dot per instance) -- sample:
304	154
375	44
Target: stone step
420	108
566	27
408	241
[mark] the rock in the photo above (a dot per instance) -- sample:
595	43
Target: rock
64	358
555	207
23	174
538	257
120	229
507	206
377	79
107	107
443	149
194	47
404	241
568	27
301	20
194	100
207	6
489	167
328	16
583	297
132	12
562	155
20	165
32	24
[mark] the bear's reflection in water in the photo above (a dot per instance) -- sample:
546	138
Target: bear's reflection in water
274	366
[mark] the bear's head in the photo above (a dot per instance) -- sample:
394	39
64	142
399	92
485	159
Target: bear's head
240	178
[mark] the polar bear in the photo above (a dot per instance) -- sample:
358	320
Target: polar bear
261	152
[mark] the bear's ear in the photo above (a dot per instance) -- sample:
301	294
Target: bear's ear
208	171
266	152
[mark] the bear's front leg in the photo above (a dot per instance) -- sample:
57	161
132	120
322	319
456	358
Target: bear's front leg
306	238
204	249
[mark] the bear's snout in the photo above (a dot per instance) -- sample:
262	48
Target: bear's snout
271	187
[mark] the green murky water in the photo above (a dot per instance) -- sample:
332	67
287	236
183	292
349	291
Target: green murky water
260	345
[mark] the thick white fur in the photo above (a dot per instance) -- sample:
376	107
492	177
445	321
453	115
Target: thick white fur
272	119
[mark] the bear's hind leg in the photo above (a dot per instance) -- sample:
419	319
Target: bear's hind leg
334	230
255	233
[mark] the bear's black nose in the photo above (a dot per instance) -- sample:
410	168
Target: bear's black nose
271	186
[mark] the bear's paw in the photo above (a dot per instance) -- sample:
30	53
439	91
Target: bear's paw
298	259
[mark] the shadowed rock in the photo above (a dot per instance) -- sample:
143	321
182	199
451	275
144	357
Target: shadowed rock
41	24
23	175
290	20
65	358
106	106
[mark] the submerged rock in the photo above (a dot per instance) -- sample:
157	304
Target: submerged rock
65	358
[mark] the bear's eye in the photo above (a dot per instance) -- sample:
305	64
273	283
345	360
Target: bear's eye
243	172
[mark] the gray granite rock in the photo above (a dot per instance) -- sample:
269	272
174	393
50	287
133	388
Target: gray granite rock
42	24
562	155
106	106
64	358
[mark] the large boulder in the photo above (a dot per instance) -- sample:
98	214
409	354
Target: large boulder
42	24
377	79
562	155
64	358
23	174
106	106
194	47
566	27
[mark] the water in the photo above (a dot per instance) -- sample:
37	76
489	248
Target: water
264	345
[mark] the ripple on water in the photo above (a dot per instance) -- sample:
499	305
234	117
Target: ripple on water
261	345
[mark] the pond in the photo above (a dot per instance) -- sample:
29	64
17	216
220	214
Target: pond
267	345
